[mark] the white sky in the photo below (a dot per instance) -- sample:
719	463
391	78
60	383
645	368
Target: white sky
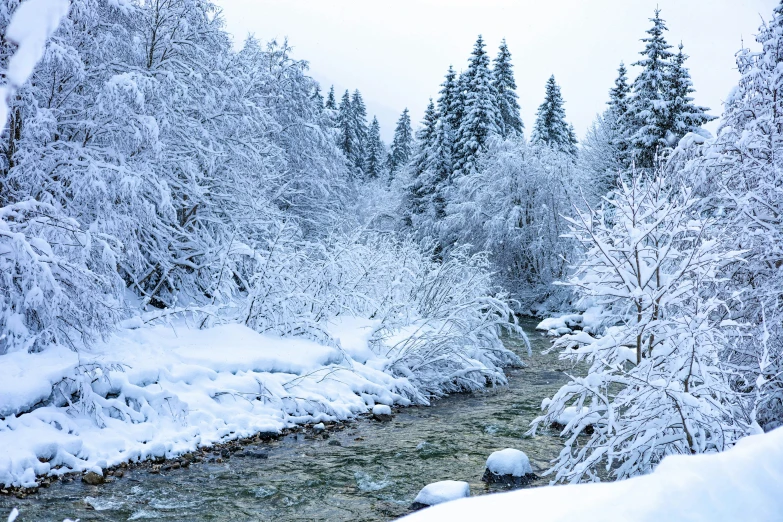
396	53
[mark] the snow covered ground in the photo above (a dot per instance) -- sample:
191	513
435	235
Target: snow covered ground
165	390
743	483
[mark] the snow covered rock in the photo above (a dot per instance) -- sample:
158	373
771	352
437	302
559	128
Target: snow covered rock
562	324
318	428
439	492
510	467
381	412
570	413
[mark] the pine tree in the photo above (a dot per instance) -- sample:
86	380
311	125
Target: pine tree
551	128
448	114
318	97
684	116
480	118
402	144
648	110
376	152
619	94
360	129
448	100
459	96
331	103
423	183
503	80
616	117
347	140
603	154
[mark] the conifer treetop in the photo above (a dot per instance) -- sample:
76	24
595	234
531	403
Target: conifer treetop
551	127
507	99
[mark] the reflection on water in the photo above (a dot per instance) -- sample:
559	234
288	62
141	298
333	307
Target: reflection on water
366	471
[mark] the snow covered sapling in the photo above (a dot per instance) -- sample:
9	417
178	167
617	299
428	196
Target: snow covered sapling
656	384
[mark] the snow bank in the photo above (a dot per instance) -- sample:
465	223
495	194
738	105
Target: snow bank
444	491
165	390
743	483
509	461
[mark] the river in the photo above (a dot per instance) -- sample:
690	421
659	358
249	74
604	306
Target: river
366	471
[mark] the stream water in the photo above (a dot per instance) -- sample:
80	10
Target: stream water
366	471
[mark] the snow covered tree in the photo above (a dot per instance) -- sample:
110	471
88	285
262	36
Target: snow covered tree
402	144
658	383
503	81
648	108
375	160
617	117
684	116
479	121
620	93
423	184
604	152
512	205
600	157
551	128
348	139
448	112
740	176
318	98
360	128
331	102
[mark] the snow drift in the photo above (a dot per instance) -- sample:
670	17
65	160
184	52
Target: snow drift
742	483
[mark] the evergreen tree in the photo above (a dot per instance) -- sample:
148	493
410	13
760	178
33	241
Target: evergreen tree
448	101
448	114
616	117
459	96
684	116
619	94
360	128
603	154
503	80
402	144
376	152
648	110
318	97
423	183
331	103
480	119
347	140
551	127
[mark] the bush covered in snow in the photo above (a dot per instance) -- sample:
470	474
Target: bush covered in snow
658	382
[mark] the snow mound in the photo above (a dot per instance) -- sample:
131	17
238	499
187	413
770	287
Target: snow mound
444	491
568	414
381	409
568	321
509	461
742	483
161	391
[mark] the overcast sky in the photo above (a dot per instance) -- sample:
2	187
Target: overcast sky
396	53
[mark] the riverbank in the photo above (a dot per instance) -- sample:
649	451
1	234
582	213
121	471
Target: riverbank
156	392
741	483
361	470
